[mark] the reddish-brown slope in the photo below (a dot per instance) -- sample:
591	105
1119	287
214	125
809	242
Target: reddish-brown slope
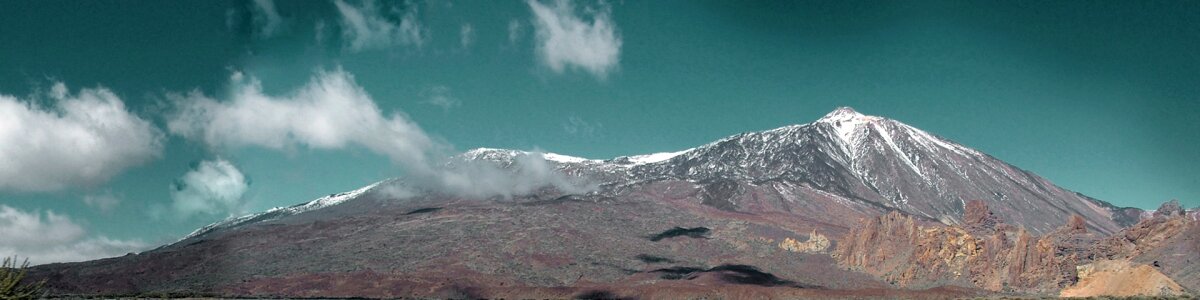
559	246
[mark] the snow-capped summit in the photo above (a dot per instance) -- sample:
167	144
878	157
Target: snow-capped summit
846	114
847	121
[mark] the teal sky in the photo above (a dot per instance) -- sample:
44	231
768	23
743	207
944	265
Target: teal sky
1100	97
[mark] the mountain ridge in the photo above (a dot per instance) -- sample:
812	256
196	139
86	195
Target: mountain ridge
846	132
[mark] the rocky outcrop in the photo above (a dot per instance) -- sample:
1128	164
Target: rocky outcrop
1121	278
816	243
1170	209
1169	241
895	248
1159	252
983	252
978	219
1168	221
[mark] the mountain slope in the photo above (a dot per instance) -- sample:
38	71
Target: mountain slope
726	216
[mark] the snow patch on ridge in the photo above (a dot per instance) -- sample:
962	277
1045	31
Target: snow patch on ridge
330	200
278	212
494	153
564	158
926	139
624	161
654	157
887	138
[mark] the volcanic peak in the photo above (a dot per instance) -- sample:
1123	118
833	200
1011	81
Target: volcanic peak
847	123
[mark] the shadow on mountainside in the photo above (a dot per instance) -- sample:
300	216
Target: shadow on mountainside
423	210
694	232
731	273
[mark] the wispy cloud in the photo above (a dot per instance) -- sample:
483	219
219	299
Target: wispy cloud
51	237
508	174
319	32
211	187
367	26
514	32
105	202
333	112
439	95
83	139
566	40
266	18
579	127
466	34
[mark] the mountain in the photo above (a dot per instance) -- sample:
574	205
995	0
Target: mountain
890	164
755	214
865	159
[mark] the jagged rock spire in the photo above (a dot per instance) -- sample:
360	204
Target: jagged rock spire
1076	224
1170	209
978	218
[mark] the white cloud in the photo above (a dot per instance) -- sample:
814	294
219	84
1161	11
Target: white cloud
104	202
54	238
525	173
212	187
368	27
565	40
439	95
82	140
266	18
333	112
330	112
466	34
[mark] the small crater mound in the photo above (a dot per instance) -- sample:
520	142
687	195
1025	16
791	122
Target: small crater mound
694	232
